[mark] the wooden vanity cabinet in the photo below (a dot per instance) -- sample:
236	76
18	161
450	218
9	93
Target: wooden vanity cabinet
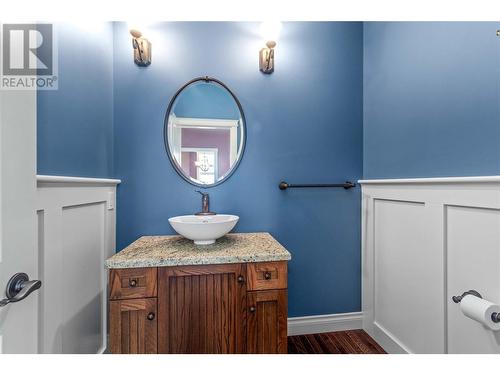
221	308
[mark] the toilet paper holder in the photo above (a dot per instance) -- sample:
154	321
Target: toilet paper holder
495	317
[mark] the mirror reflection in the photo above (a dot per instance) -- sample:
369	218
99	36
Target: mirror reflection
205	132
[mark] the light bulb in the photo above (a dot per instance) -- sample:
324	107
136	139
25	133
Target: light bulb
270	30
135	33
141	27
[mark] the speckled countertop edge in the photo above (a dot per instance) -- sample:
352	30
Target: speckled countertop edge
163	251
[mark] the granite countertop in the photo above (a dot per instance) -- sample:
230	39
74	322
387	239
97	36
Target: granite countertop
158	251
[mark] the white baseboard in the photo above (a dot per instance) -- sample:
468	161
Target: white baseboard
388	342
304	325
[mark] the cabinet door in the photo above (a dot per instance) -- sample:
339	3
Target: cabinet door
267	322
133	326
202	309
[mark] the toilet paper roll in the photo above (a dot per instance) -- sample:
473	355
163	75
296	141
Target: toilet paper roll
480	310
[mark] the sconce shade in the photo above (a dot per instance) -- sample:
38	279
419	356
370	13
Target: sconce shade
266	60
142	48
270	31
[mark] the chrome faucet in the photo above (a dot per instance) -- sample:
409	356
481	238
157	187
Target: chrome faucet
205	210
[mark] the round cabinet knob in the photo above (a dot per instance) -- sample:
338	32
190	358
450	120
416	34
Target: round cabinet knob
241	279
151	316
132	283
252	309
267	275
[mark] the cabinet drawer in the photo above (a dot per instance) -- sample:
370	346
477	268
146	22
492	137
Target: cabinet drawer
132	283
266	275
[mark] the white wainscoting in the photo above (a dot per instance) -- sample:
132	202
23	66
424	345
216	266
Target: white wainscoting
76	233
423	241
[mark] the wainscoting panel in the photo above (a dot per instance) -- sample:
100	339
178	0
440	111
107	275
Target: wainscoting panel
76	233
400	261
425	240
473	242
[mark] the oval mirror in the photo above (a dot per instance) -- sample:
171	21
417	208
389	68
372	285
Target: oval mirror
204	132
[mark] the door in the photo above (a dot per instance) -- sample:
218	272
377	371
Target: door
18	225
201	309
133	326
267	322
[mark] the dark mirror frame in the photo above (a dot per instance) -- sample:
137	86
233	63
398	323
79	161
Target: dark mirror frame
174	163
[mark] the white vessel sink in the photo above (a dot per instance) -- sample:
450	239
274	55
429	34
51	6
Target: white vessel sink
203	230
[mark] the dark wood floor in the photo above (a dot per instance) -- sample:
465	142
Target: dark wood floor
342	342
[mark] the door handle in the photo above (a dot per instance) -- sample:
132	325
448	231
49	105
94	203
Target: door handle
19	287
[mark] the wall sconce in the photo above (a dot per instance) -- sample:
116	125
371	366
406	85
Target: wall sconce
266	58
270	32
142	48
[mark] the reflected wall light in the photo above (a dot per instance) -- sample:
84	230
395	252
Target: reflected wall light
270	33
142	48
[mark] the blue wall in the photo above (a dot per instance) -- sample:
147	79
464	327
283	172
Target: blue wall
206	100
304	124
75	122
431	99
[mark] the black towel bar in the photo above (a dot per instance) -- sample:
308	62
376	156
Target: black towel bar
346	185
